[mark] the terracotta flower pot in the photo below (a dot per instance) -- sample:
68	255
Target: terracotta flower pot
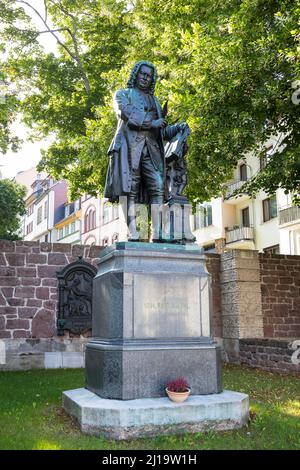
178	397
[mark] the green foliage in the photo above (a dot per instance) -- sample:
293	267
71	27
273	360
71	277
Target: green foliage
32	418
11	208
8	97
227	68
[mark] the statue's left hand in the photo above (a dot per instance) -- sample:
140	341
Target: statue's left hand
182	126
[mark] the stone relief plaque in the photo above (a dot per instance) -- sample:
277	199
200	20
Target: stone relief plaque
75	297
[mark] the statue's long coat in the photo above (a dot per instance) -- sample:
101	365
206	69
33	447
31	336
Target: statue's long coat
131	114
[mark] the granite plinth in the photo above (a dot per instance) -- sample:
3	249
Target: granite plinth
119	419
131	370
151	322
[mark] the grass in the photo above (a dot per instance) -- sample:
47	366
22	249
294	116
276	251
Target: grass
31	416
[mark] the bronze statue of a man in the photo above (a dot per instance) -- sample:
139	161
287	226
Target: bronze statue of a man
137	161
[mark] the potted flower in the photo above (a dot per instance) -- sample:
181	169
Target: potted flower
178	390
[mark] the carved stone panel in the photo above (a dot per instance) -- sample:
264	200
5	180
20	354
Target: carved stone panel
75	284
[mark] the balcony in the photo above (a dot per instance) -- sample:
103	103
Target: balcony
230	188
289	216
239	237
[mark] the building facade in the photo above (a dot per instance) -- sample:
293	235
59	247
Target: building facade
44	208
265	223
102	223
68	227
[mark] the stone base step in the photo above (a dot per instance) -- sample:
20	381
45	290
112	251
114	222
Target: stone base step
146	417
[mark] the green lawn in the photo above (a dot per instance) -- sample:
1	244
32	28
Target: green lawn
31	416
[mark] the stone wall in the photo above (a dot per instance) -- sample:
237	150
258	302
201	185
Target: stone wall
254	296
280	289
260	300
274	355
28	304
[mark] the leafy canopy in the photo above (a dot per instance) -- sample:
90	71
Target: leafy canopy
228	68
12	207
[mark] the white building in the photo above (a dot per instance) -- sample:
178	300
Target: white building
101	222
266	223
68	226
43	209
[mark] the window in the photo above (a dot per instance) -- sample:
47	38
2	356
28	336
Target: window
67	230
106	212
203	216
46	238
46	210
29	228
115	238
39	215
264	157
115	211
243	172
86	223
91	240
77	205
262	162
246	217
30	209
90	219
73	227
67	210
60	233
269	208
105	241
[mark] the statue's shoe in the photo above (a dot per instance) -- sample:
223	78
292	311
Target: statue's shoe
189	237
134	237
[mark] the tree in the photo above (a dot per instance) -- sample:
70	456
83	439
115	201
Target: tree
60	92
8	112
8	97
228	67
12	207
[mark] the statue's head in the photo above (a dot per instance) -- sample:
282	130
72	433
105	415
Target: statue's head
143	75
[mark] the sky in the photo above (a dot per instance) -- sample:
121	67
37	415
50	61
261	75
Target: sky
29	155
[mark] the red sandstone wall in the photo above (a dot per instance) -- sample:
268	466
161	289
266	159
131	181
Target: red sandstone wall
280	287
28	289
28	285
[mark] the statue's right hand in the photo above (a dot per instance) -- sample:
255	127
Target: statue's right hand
159	123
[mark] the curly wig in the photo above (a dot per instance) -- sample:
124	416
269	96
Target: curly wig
134	72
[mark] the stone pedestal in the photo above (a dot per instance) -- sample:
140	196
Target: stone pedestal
176	220
151	322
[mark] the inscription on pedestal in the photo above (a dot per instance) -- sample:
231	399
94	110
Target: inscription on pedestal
166	307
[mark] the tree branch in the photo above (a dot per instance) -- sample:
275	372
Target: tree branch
46	10
75	43
76	56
